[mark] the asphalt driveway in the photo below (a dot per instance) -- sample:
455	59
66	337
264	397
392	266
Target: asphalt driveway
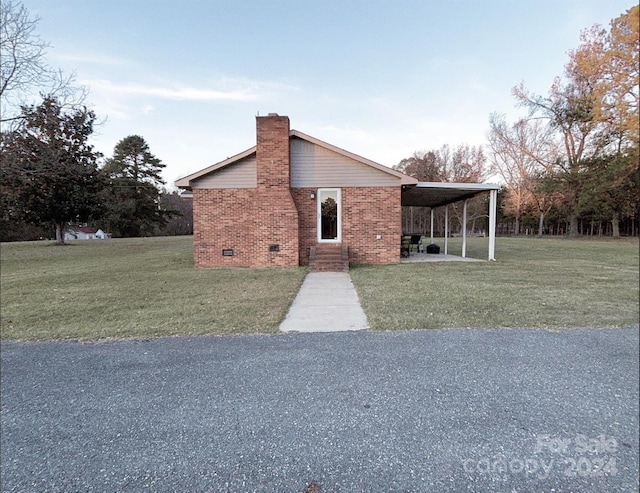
440	410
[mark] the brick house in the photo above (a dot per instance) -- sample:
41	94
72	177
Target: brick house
291	197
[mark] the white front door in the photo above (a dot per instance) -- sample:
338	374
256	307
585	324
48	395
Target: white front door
329	215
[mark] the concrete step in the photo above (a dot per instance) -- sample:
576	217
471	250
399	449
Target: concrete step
329	258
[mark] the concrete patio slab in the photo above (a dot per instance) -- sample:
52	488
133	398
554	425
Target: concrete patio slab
440	257
326	302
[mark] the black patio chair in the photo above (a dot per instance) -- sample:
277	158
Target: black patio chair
405	246
416	240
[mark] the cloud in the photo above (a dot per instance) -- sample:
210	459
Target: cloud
90	58
176	93
123	99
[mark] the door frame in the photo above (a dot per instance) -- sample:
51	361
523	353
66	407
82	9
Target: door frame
319	215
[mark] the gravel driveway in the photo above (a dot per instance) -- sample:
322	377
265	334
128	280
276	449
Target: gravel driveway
440	410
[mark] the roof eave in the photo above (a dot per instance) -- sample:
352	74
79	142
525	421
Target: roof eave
458	185
185	182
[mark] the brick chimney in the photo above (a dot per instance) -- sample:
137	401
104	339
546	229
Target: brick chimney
272	154
275	228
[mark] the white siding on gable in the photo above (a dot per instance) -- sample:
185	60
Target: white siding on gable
242	174
316	166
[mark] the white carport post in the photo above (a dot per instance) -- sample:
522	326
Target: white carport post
446	229
431	226
464	229
493	199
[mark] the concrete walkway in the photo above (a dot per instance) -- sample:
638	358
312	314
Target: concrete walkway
441	257
326	302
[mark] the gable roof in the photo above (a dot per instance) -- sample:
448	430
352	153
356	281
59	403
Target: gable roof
84	229
185	182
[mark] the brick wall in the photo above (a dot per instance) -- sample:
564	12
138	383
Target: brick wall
366	212
247	221
250	220
306	220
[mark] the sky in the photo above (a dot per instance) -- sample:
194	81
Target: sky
379	78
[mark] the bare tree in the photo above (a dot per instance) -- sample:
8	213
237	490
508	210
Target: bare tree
24	71
423	165
569	109
521	154
464	164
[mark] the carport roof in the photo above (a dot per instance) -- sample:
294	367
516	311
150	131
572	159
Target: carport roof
435	194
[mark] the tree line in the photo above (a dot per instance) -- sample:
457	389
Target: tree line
52	178
571	165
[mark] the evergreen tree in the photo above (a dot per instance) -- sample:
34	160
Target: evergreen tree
49	173
132	196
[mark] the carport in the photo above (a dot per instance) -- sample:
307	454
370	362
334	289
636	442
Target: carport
441	194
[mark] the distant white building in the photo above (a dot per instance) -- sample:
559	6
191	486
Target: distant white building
85	233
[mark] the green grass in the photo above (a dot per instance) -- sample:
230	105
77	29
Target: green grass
550	283
142	287
148	287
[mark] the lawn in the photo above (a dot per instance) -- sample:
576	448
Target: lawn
551	283
147	287
141	287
